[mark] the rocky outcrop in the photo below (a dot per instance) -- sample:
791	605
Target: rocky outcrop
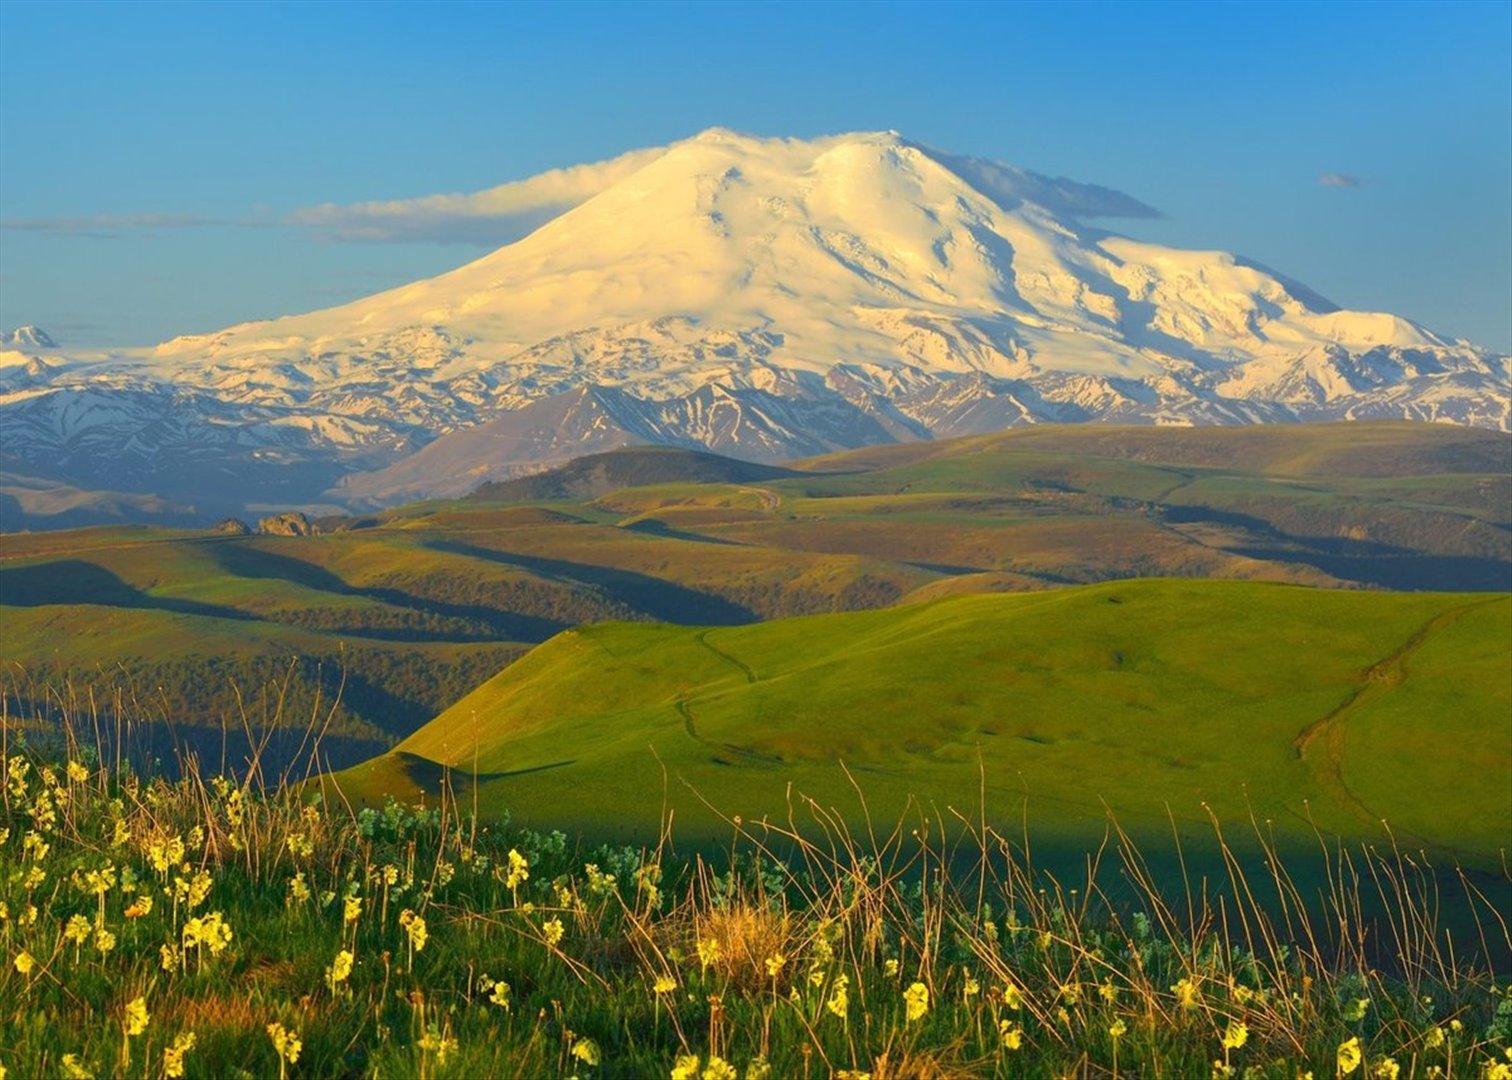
292	523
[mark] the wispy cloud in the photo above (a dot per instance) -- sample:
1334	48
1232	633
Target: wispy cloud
503	214
111	226
1341	180
496	216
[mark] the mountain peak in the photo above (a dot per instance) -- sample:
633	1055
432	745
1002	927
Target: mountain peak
763	298
27	337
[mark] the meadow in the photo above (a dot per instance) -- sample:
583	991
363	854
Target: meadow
210	929
1047	753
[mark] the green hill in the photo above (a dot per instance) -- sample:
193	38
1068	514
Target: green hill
421	603
1301	707
593	475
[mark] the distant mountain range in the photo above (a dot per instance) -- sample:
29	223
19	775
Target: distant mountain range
764	299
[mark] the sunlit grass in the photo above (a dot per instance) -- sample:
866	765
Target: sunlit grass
209	928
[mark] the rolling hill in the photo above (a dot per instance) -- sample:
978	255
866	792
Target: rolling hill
419	605
1160	701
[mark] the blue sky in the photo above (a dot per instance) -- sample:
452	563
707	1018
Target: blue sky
151	155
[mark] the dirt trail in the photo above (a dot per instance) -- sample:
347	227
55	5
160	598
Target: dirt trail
770	500
1382	677
703	639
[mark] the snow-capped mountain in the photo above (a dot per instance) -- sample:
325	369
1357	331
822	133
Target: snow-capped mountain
762	298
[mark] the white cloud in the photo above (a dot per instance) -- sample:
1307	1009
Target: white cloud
496	216
1341	180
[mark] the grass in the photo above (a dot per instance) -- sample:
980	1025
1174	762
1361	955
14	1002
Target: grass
288	935
419	605
1155	700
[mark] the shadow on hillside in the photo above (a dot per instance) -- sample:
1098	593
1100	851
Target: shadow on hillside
74	581
428	775
1366	562
661	600
1408	572
251	562
657	527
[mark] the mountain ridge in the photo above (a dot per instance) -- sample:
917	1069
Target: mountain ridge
765	299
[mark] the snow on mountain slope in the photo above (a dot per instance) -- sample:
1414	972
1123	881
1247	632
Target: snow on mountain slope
766	298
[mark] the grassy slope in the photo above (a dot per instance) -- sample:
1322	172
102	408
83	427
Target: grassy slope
1142	695
433	593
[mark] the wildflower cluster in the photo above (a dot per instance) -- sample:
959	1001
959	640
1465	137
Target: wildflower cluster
235	932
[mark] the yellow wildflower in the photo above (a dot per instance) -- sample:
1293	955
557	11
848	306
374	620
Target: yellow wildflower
173	1056
74	1069
971	988
1186	994
285	1042
1117	1029
839	1001
299	892
1107	991
1386	1068
890	968
1435	1038
351	910
136	1016
199	888
1011	1034
142	905
719	1069
500	995
916	1001
1013	997
552	930
77	773
340	968
414	926
774	965
25	962
685	1068
519	870
1234	1035
211	930
708	952
104	940
586	1051
1349	1056
664	984
169	955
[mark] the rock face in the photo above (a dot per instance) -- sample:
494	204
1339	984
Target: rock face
758	298
292	523
233	526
